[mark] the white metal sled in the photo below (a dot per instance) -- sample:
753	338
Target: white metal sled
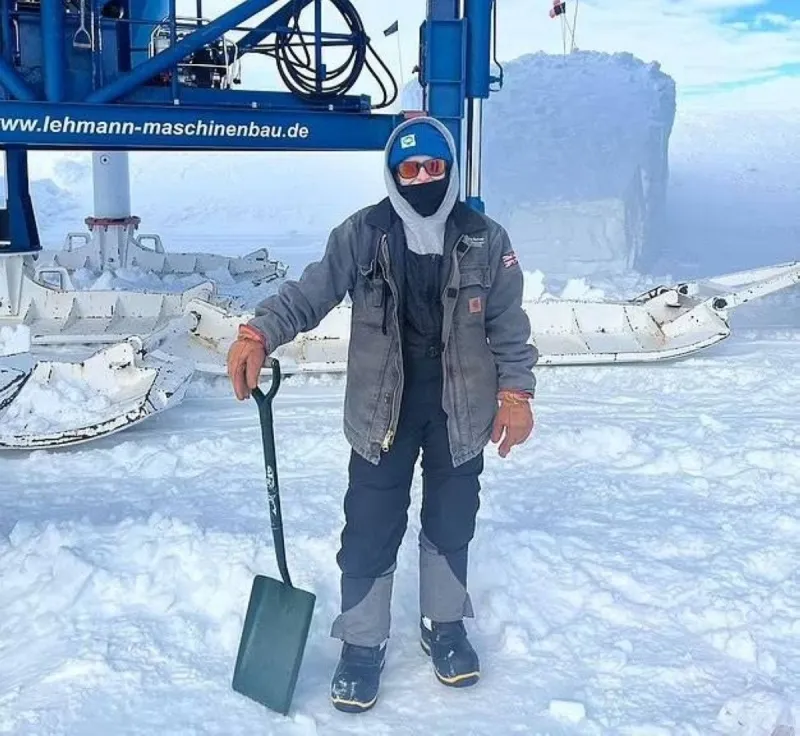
133	378
106	249
663	324
61	315
60	403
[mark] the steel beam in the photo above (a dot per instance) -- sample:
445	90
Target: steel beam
5	29
55	58
85	126
198	97
12	82
269	25
443	9
478	14
444	69
21	217
473	154
173	55
479	47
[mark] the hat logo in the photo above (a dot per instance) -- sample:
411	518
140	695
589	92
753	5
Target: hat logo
408	141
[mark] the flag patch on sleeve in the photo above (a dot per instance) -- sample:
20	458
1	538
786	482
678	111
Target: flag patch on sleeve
510	259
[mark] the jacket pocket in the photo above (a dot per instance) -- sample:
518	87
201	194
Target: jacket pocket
472	294
376	288
368	299
476	276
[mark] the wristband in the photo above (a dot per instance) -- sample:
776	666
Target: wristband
514	397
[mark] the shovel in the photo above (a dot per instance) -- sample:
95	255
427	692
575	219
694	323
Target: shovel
278	615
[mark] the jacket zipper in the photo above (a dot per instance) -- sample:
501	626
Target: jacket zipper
390	433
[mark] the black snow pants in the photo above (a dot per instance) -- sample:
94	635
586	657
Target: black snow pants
376	510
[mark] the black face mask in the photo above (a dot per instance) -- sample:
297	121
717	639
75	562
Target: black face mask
425	198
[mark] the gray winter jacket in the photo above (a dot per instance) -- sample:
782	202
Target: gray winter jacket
485	333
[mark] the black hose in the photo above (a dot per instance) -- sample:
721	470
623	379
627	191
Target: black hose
295	58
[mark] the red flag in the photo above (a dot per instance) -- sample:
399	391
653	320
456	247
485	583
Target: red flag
559	8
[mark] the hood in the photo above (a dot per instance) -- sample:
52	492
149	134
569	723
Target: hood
400	204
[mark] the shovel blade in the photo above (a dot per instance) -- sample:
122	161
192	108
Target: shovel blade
273	642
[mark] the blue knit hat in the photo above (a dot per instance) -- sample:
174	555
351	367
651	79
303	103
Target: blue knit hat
419	139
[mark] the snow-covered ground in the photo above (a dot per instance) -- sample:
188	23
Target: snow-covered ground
637	557
635	568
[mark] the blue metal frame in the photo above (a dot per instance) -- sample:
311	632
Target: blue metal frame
145	127
192	98
55	57
167	59
444	74
66	111
479	44
24	235
454	69
479	78
268	26
11	80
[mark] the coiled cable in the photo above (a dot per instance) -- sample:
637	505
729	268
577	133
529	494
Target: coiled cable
295	57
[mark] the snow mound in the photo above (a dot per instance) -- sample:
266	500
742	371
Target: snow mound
576	127
588	136
52	202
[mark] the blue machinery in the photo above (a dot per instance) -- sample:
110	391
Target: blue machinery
132	75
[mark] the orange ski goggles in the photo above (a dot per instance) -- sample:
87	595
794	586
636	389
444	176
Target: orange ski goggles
411	169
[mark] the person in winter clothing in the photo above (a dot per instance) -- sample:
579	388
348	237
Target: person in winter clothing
439	361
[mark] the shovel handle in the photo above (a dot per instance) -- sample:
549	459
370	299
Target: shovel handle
264	401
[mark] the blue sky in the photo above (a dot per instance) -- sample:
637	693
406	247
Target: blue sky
712	48
757	15
777	18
